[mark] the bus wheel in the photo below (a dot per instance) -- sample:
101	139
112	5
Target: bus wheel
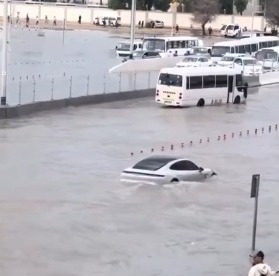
237	100
200	102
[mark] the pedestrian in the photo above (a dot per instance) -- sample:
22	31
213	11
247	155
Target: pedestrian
46	19
210	31
27	20
142	24
176	29
79	19
259	268
54	21
17	18
37	20
139	24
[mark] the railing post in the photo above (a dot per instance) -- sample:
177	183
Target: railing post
71	82
19	92
120	80
52	88
104	83
87	85
148	85
34	89
135	78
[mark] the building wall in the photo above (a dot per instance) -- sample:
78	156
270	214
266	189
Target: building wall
71	13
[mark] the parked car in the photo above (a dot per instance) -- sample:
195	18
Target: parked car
195	61
154	24
228	59
248	65
166	169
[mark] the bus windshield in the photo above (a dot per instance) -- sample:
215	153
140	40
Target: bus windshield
123	46
266	55
218	51
154	44
170	79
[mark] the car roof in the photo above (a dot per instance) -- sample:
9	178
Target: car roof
164	158
195	56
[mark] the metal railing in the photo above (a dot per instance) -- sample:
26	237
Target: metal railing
26	89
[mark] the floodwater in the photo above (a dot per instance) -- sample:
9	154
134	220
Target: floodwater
67	64
64	211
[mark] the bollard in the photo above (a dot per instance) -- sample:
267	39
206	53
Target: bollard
256	131
27	77
120	80
262	130
152	150
248	132
104	83
132	153
162	149
135	77
200	141
232	134
240	133
71	82
87	85
276	127
269	128
219	137
52	88
225	137
141	151
171	147
182	145
148	84
34	90
19	92
191	143
208	140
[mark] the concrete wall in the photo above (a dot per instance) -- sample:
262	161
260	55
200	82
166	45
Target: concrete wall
71	15
26	109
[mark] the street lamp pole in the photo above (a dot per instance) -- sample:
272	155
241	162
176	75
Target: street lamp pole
133	19
4	54
253	14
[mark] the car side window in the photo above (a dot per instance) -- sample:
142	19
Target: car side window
184	166
238	61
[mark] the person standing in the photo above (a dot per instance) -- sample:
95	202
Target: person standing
27	20
54	21
259	268
79	19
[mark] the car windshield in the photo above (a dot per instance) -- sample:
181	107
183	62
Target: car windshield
223	28
230	27
170	79
218	51
226	58
190	59
200	50
152	164
124	46
266	55
153	44
250	62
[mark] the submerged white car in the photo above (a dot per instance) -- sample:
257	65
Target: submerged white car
166	169
228	59
195	61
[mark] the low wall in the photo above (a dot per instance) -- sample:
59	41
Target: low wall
253	81
26	109
71	14
269	78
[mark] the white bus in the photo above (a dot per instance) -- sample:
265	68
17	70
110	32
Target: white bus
242	46
200	86
171	46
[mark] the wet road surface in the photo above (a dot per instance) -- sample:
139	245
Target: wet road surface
65	212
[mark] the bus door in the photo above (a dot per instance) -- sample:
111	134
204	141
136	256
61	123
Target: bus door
230	88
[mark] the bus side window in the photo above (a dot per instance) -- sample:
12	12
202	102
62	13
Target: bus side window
196	82
254	48
222	81
260	45
236	49
140	46
247	48
241	49
183	44
208	81
232	50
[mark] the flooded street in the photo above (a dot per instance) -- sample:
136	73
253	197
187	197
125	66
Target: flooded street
64	211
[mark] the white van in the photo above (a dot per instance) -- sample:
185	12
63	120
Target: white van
123	47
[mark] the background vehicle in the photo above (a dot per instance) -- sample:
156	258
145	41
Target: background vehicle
268	58
228	59
233	30
195	61
248	65
123	47
154	24
166	169
200	86
144	55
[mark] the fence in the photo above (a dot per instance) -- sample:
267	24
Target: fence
35	88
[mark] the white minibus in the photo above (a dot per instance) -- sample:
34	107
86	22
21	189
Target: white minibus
200	86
